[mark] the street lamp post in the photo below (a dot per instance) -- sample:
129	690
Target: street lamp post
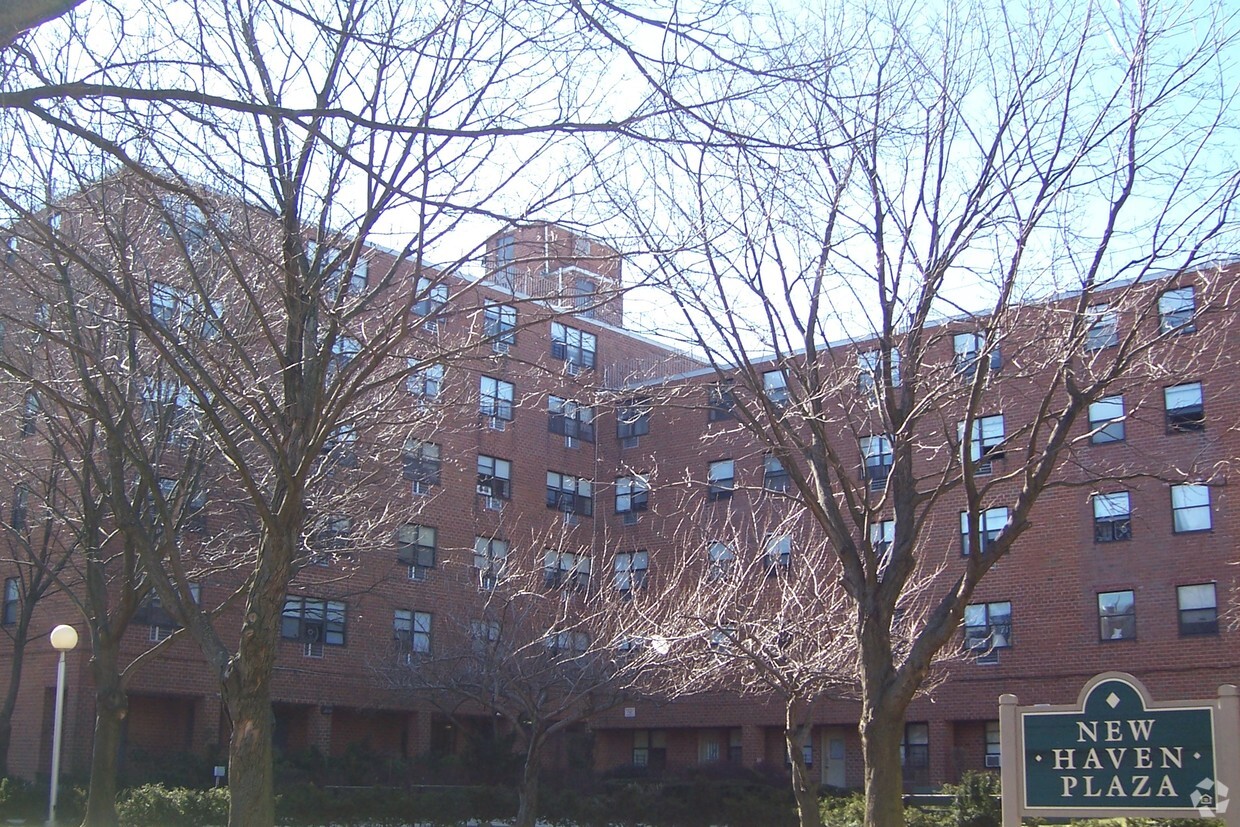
64	639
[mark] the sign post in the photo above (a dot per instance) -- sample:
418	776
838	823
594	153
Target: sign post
1117	753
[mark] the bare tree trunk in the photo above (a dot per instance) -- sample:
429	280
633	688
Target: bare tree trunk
804	787
111	706
247	694
882	730
527	805
20	633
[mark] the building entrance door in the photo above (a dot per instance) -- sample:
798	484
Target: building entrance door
834	757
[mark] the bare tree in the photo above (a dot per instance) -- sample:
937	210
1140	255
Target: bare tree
247	133
1008	221
544	652
125	464
750	600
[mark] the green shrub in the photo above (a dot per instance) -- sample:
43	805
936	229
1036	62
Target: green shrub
976	802
21	799
154	805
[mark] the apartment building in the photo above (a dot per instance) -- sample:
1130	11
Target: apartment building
566	445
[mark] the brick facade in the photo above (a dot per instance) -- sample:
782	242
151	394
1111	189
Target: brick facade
331	697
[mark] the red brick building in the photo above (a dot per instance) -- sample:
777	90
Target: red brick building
563	423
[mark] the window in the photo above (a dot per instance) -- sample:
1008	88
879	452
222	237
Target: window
987	626
774	474
195	516
650	748
1101	327
415	547
777	549
1190	508
331	533
989	524
632	494
431	298
331	263
1177	309
1198	607
567	642
720	479
569	494
576	347
1106	420
12	601
585	294
483	635
494	477
170	306
991	742
721	401
21	500
1185	408
313	620
1117	616
986	440
425	382
719	559
341	446
421	463
882	535
570	419
708	747
563	568
877	457
633	419
915	748
490	555
30	414
967	350
412	631
631	568
495	398
499	324
775	386
505	259
870	370
152	613
1112	517
183	219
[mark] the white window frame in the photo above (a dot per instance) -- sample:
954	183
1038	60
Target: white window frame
632	494
1185	406
494	473
1112	517
426	382
987	617
1177	310
1190	508
490	559
990	523
412	631
1117	615
1106	420
1101	327
631	568
496	398
720	479
1200	598
775	386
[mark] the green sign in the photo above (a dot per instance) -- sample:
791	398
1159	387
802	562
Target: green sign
1116	753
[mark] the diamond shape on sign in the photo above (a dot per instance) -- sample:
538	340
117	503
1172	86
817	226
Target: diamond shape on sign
1112	700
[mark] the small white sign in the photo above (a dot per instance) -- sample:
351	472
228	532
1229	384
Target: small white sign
630	712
